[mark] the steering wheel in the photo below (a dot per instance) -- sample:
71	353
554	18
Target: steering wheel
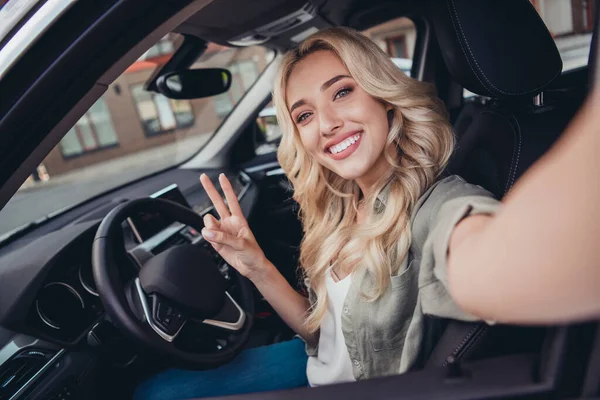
177	287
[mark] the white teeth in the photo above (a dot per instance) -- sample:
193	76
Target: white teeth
344	145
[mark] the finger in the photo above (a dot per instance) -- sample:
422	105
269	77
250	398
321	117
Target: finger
211	222
230	195
216	246
220	237
214	196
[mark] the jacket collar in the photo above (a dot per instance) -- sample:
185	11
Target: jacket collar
383	195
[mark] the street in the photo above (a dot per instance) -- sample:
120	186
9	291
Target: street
35	202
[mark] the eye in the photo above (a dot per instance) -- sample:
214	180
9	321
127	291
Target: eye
302	117
342	93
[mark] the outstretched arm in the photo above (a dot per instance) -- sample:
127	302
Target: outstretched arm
538	260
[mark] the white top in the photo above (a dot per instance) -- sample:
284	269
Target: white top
332	363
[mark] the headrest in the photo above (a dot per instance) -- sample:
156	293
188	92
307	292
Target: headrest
498	48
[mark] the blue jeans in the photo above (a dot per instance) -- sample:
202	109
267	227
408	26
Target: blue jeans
274	367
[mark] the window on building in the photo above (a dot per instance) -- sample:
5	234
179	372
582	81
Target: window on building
93	131
159	114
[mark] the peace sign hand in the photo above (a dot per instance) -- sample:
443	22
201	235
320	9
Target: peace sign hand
231	236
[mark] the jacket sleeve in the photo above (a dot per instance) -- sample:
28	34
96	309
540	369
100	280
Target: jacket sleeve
311	350
438	212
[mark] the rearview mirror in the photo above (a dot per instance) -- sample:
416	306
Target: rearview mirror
194	83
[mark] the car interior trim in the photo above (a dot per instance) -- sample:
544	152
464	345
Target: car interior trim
247	182
18	344
85	285
37	375
30	32
135	231
425	34
232	326
262	167
163	191
43	317
148	314
160	237
273	172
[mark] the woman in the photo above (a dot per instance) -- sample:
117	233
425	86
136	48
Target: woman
364	147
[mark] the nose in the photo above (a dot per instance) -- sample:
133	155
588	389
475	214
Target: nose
329	121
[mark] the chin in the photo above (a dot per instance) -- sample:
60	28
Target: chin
349	173
350	170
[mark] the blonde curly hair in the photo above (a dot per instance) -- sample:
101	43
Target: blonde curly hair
424	140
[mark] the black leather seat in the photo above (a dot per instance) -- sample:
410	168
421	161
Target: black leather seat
501	50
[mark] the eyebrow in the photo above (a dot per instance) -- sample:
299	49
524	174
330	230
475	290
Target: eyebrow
324	87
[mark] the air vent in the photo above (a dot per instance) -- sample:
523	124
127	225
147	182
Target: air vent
18	371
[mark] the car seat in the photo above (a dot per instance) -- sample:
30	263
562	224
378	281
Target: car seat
501	50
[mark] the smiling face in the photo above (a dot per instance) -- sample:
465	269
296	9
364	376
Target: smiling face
342	127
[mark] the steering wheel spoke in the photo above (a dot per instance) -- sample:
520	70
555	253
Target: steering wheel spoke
231	316
166	320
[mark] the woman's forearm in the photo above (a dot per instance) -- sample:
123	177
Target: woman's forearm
291	306
537	260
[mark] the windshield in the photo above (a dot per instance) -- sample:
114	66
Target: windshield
131	132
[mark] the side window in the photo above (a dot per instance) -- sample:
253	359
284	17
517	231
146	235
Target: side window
396	37
268	131
93	131
571	23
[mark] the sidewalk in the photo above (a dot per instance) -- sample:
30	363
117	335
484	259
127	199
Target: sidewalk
35	201
144	162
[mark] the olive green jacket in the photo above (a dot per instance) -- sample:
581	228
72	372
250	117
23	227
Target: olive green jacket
386	337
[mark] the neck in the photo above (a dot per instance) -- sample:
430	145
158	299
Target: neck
367	182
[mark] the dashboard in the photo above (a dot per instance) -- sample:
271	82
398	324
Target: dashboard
51	316
58	298
67	303
53	327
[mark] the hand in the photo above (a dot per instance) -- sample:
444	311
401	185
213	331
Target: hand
231	236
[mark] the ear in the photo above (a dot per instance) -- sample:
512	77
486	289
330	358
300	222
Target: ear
390	115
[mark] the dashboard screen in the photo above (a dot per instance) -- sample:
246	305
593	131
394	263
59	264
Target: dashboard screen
145	225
